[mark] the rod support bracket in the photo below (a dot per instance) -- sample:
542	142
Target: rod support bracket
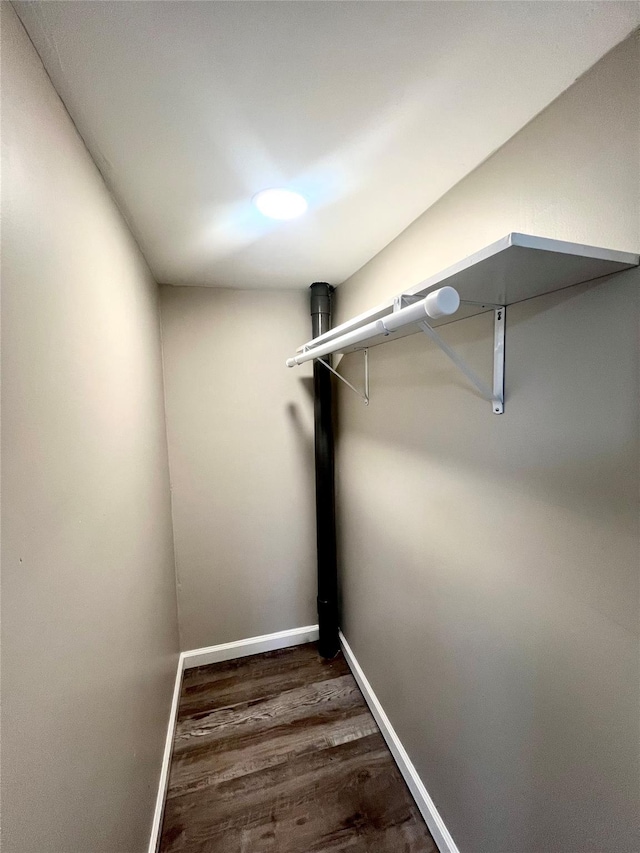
363	396
400	302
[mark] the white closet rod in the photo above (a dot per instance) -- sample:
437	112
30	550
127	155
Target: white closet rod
439	303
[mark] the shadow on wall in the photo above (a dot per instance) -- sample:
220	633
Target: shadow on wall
564	455
497	558
568	370
303	437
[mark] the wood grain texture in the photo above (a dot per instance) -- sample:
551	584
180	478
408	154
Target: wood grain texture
278	753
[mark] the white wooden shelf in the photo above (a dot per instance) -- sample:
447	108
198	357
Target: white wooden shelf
515	268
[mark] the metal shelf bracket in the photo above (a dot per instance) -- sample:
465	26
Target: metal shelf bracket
499	318
362	396
494	395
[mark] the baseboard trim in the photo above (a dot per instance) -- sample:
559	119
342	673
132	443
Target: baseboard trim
428	810
250	646
156	826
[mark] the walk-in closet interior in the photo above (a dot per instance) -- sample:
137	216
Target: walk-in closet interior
320	426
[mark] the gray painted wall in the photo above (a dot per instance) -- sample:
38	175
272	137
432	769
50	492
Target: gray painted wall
240	429
89	625
490	564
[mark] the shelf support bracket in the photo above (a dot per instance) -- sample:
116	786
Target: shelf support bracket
494	395
362	396
499	317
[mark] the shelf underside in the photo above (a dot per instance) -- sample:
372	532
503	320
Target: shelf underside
515	268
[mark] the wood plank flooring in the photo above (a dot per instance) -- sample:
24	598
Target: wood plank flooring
278	753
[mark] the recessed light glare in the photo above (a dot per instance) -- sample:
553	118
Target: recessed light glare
280	204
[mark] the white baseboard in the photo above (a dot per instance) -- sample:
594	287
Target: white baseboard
429	812
250	646
202	657
156	826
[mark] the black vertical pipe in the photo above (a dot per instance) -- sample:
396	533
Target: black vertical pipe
328	644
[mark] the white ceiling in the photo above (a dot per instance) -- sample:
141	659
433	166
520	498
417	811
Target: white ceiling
372	110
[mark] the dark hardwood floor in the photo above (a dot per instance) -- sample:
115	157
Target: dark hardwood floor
278	753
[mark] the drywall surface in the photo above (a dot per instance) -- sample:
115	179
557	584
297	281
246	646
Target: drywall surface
240	428
89	623
490	564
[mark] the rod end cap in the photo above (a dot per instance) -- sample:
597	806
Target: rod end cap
442	302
